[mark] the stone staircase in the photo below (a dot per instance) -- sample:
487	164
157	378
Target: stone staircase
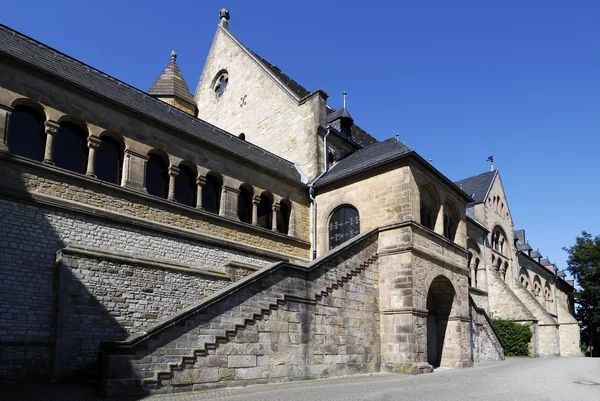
183	349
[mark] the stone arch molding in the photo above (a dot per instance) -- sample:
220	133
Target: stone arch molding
435	273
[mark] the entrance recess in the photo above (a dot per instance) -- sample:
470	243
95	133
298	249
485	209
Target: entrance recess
439	305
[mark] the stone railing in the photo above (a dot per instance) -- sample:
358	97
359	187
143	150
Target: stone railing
259	329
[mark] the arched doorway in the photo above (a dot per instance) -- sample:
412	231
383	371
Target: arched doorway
440	299
343	225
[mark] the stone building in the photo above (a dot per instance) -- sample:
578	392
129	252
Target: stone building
158	241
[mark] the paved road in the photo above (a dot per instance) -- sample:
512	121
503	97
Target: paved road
514	379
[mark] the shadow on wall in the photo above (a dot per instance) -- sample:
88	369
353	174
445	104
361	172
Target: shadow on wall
52	324
440	299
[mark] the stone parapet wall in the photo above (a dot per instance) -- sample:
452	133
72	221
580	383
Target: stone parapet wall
284	322
486	344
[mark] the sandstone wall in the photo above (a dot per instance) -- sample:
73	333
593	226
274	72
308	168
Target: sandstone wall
486	345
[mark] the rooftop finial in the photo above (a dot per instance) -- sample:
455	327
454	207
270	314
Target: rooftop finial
491	160
345	93
224	15
173	55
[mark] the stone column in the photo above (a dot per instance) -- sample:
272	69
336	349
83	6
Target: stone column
173	172
134	170
4	121
255	203
276	207
93	142
201	180
228	205
51	128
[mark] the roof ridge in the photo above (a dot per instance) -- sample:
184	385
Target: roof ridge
144	95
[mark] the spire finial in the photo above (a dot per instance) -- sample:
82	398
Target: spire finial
224	15
345	93
173	55
491	160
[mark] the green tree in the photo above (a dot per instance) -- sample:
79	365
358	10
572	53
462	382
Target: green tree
584	266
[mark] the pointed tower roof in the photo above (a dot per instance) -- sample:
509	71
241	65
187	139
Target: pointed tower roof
171	83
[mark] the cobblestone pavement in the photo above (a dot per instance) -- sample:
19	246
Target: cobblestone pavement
514	379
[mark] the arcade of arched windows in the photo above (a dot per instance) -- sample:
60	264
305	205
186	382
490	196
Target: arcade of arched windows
69	145
474	263
432	211
542	291
498	206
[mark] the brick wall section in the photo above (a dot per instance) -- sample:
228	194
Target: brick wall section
30	236
102	300
319	322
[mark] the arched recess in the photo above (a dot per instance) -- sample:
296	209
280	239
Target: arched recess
344	224
211	192
525	280
244	206
440	300
70	146
284	215
26	136
429	206
157	176
537	288
474	259
548	298
451	220
109	158
265	210
499	243
186	187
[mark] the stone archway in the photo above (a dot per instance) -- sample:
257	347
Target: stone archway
440	299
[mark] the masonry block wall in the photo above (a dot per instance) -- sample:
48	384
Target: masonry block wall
486	345
31	234
254	103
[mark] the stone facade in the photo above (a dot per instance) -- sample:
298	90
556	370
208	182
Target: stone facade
152	291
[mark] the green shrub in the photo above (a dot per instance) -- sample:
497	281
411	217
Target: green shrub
514	337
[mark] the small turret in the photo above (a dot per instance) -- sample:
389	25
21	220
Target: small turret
170	87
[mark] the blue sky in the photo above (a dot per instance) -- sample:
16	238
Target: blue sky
459	80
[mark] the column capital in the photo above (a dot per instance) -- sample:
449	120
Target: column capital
173	171
93	142
201	180
255	200
276	207
51	127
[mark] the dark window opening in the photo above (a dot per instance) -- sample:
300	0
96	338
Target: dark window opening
343	225
265	211
185	186
211	194
26	136
283	217
70	148
157	176
244	208
109	160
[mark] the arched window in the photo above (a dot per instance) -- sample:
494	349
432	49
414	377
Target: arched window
26	136
343	225
429	207
109	160
450	221
283	218
185	186
524	279
211	194
548	298
70	147
157	176
330	158
244	207
265	211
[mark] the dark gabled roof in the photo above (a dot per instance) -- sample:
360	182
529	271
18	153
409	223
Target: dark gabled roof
522	244
336	115
172	83
478	186
289	82
536	254
33	53
358	135
545	262
364	159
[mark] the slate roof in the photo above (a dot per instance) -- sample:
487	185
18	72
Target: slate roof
536	254
522	244
478	186
364	159
289	82
19	47
172	83
341	113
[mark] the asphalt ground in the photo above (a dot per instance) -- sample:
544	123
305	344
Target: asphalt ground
530	379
